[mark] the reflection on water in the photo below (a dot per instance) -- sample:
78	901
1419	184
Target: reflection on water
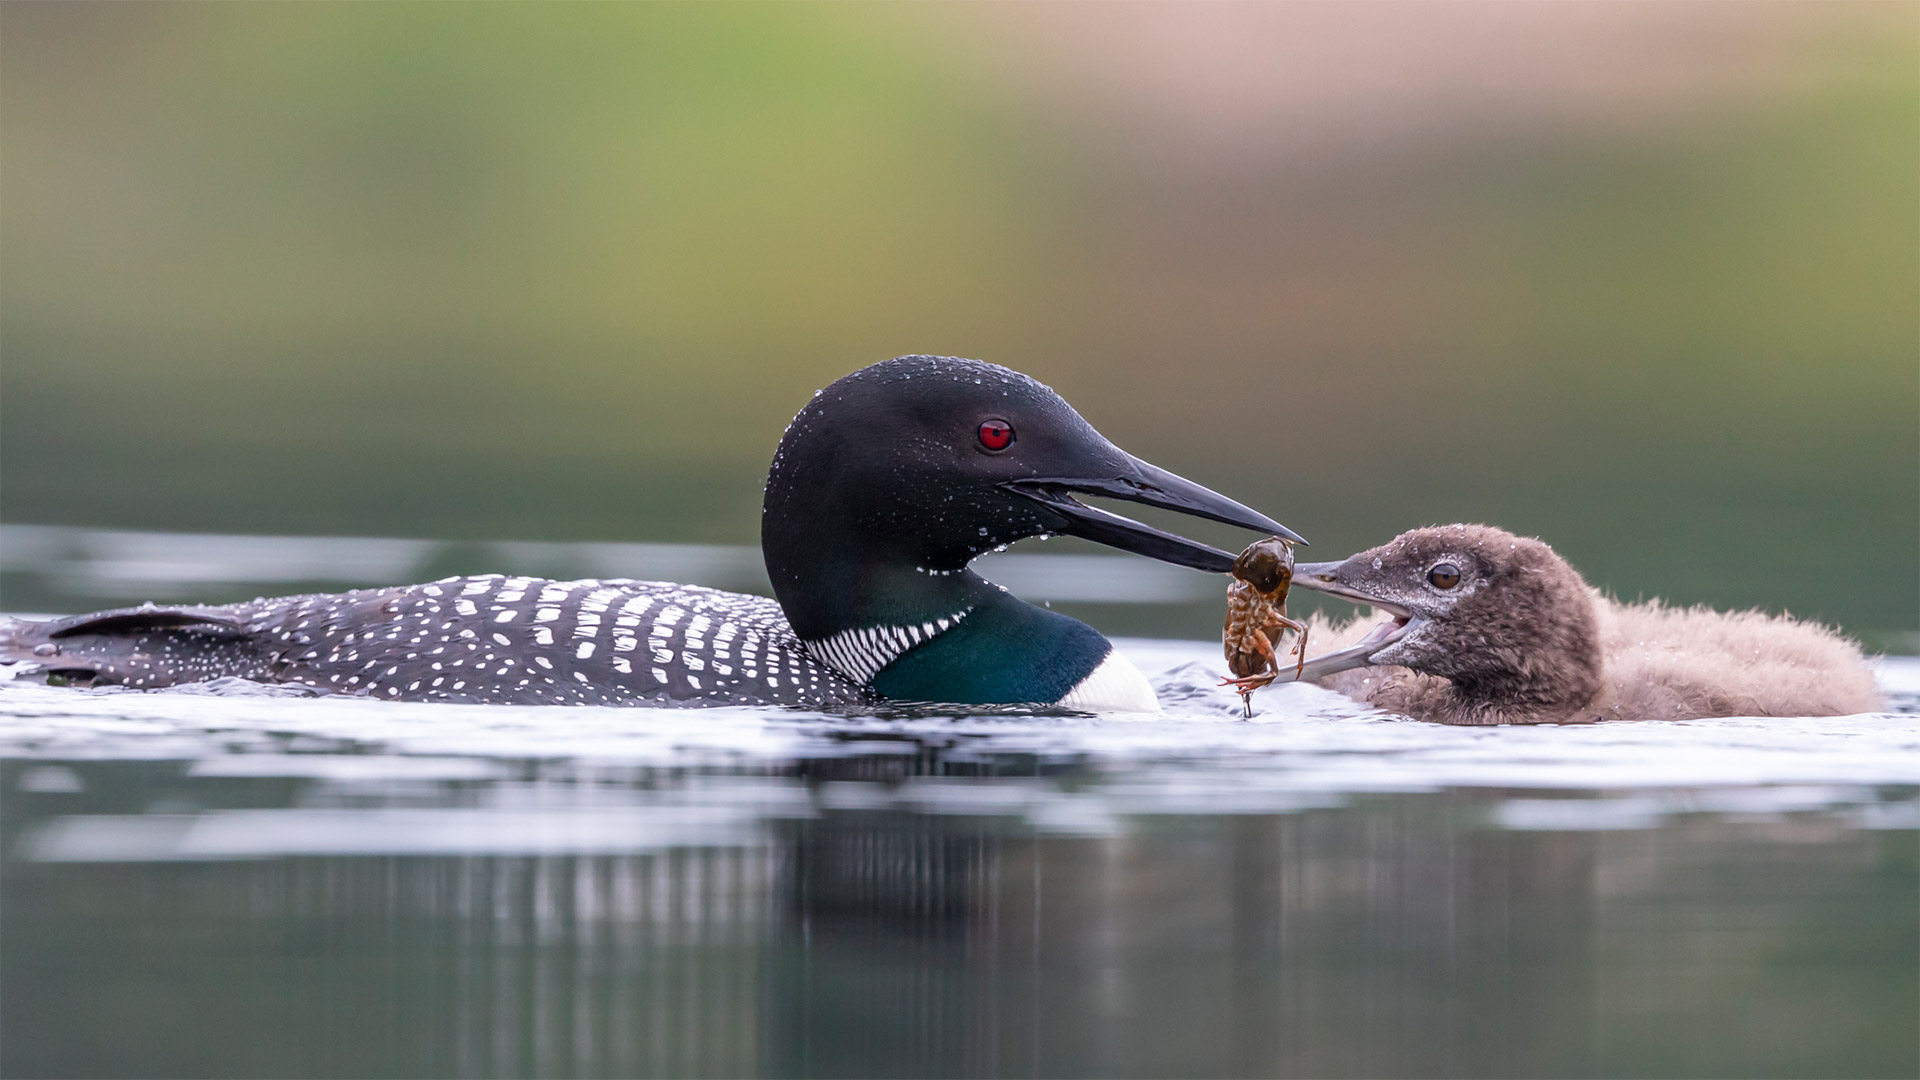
1388	935
229	883
1387	938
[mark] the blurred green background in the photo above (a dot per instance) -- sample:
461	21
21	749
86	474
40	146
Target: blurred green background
1641	279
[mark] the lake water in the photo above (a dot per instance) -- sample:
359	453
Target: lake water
232	882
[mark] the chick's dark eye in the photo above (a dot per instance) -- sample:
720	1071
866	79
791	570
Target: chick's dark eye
1443	575
996	434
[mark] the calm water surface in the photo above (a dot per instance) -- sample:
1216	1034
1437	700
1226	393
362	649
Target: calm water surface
235	883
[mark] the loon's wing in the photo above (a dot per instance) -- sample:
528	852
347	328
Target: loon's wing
491	639
530	641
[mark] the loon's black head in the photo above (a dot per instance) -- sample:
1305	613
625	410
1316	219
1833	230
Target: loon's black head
894	478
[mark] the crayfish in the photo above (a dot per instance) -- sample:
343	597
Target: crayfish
1257	618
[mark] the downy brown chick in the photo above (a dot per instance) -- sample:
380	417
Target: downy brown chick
1486	627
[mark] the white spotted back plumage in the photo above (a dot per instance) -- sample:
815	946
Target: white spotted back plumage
496	639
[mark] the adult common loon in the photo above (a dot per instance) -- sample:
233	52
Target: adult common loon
884	487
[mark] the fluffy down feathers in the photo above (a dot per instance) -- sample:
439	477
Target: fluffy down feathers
1656	662
1669	663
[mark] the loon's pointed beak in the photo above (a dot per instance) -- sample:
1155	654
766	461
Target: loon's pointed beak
1142	482
1325	577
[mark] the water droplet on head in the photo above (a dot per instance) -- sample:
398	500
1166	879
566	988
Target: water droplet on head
1376	562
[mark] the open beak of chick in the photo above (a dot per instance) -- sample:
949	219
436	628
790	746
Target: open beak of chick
1327	577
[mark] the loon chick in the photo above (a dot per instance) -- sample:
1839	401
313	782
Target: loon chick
883	489
1491	628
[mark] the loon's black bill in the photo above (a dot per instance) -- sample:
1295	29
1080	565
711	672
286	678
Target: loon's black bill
1152	486
1322	577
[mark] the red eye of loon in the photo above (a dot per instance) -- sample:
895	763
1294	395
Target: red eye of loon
996	434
